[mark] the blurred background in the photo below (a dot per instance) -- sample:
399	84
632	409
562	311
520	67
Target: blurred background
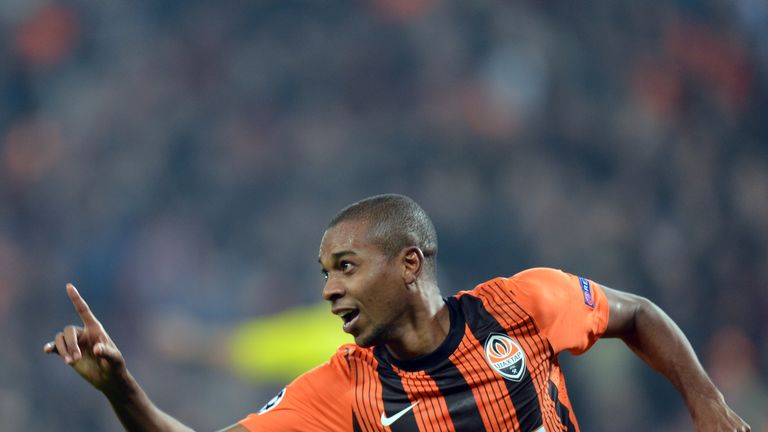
179	160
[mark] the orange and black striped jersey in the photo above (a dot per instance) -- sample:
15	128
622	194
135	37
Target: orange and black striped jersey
497	369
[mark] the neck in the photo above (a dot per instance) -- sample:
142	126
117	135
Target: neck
424	328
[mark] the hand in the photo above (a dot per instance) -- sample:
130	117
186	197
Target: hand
89	349
714	415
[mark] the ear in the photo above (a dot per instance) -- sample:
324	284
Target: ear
413	263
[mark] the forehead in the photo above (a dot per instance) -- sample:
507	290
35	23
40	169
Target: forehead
347	235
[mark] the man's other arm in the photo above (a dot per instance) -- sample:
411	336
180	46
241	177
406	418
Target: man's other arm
659	342
94	356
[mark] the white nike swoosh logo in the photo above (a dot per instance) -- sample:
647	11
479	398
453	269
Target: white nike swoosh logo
386	421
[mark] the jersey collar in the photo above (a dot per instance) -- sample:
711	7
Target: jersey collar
439	355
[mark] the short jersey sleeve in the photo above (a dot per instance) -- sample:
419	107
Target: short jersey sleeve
320	399
571	311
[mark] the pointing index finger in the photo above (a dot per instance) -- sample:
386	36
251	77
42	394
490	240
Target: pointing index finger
81	306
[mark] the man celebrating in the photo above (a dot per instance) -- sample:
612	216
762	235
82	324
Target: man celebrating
484	359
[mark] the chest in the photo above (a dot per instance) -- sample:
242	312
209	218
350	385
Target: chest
488	384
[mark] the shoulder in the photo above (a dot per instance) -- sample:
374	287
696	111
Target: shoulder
538	292
540	275
319	399
526	282
351	353
335	367
331	375
350	350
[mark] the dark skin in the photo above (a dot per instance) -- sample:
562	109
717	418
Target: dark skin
398	304
659	342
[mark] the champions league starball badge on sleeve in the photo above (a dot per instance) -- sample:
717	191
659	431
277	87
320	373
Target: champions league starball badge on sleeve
273	402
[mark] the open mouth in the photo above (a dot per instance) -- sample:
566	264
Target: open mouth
349	319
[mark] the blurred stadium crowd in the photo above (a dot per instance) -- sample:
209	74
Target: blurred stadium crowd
184	157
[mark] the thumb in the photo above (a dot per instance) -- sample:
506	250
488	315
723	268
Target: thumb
108	352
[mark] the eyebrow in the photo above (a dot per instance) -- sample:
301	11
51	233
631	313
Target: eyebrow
336	256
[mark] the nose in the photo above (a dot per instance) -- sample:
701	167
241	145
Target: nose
333	290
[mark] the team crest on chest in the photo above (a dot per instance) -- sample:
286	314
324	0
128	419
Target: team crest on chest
505	356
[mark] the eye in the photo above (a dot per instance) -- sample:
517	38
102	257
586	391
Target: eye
345	266
324	272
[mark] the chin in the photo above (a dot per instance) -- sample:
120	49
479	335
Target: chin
365	343
369	339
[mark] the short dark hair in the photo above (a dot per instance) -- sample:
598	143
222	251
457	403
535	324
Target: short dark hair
396	222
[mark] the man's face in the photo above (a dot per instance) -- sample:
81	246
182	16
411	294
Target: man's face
364	285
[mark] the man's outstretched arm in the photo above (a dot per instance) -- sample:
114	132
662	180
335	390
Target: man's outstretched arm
93	354
659	342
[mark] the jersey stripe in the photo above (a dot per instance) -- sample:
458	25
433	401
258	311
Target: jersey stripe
495	406
561	409
377	394
432	409
524	395
368	395
362	398
394	397
514	316
462	405
426	412
355	423
506	417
